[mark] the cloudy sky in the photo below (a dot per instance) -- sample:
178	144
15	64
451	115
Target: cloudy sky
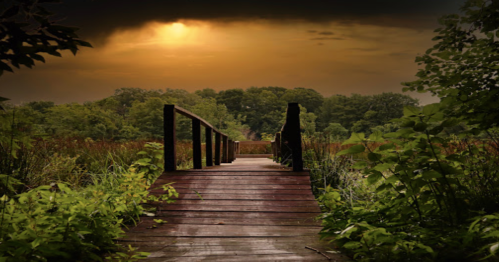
334	47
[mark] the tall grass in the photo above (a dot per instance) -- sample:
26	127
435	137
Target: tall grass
42	161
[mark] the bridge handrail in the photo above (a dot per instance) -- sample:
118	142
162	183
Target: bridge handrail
287	142
191	115
221	139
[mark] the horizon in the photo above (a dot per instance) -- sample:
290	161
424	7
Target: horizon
333	48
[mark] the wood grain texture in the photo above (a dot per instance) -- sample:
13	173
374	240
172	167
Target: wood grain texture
251	210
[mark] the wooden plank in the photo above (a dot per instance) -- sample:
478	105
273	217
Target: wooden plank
236	221
237	258
248	215
274	203
278	209
194	196
194	242
179	185
251	211
164	179
231	182
226	230
237	191
224	172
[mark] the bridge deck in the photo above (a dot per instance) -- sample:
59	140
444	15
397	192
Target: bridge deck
251	210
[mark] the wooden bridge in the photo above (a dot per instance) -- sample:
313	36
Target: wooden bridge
249	209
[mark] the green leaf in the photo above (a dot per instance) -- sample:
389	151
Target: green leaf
377	136
383	167
386	147
420	127
494	247
436	130
426	248
374	177
352	150
450	122
374	157
408	123
410	111
431	174
392	179
355	138
360	165
352	245
431	109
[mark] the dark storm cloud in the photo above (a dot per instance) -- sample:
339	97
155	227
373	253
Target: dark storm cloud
98	18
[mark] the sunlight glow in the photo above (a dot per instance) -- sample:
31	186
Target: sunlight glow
158	35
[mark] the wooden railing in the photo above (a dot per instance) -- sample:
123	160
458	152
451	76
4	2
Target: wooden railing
286	147
221	141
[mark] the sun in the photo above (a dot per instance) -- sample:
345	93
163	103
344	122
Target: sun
177	28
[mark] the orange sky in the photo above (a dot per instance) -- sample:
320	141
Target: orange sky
330	57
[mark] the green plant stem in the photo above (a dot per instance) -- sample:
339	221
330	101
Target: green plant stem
444	175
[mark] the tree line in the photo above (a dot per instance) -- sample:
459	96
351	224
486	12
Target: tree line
254	113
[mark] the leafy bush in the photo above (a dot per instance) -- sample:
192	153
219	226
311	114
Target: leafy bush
423	188
57	223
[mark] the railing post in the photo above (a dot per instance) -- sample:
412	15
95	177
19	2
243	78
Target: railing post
284	145
237	149
294	135
209	146
196	144
225	150
277	146
231	151
217	148
169	138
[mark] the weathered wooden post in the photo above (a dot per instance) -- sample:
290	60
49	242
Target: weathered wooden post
196	144
169	138
277	146
293	135
217	148
231	151
209	146
225	150
285	149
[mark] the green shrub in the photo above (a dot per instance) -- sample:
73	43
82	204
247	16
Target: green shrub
421	192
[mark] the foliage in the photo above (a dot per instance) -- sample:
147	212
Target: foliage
359	113
56	222
423	189
27	30
462	67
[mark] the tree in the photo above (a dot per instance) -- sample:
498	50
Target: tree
463	66
336	132
27	31
308	98
148	116
262	109
342	109
232	99
220	118
206	93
